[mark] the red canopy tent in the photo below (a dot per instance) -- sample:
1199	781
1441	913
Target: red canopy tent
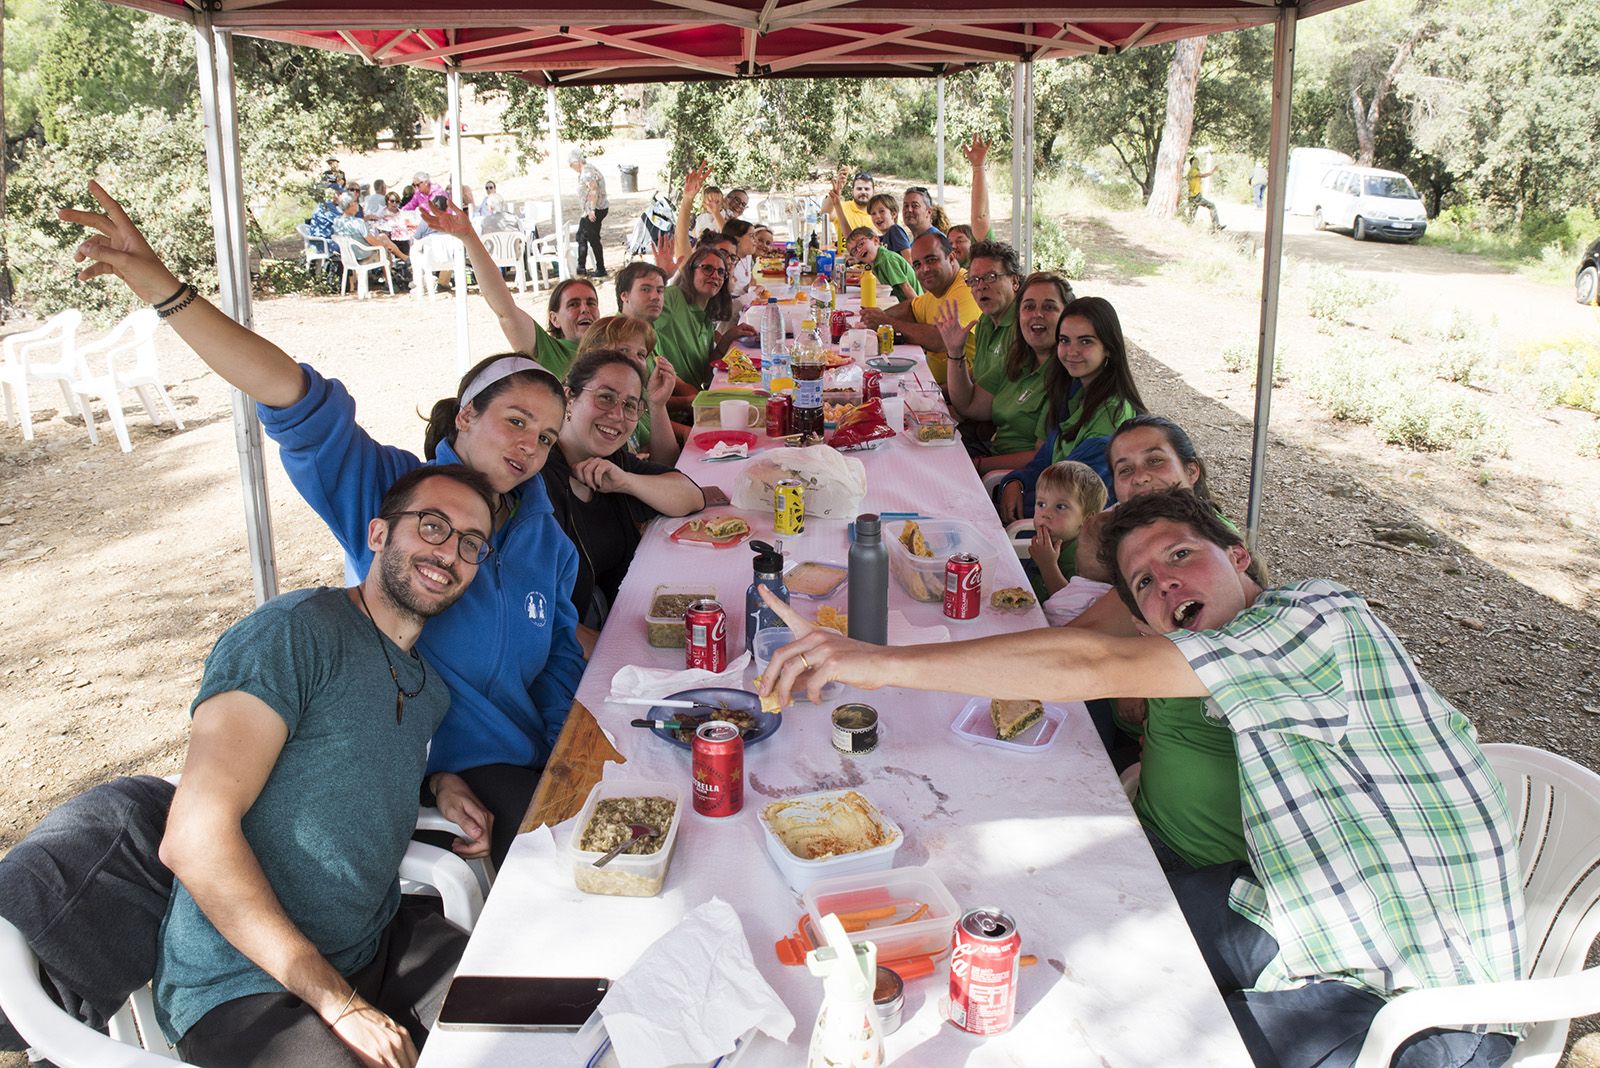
553	44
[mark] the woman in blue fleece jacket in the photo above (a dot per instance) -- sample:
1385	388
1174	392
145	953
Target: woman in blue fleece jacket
508	648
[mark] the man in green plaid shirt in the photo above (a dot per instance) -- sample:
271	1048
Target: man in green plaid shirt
1382	854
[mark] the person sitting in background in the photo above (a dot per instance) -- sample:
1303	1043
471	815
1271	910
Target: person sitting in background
696	300
1091	393
495	219
601	491
942	279
350	224
391	203
423	192
853	212
744	255
734	204
1066	495
654	438
641	288
376	203
482	209
885	212
327	212
921	214
888	267
961	241
284	941
763	236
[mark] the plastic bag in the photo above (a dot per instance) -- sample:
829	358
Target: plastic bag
862	427
834	485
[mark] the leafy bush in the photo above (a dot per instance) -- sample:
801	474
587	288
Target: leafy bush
1053	252
281	277
1589	440
1237	357
1460	361
1421	416
1563	371
1334	294
1347	381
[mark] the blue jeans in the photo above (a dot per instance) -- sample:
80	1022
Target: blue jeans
1320	1025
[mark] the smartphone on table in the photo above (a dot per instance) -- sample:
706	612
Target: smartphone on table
520	1002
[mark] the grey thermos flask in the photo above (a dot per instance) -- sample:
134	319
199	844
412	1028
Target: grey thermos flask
869	582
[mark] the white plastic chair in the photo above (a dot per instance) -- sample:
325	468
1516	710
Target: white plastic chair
431	819
135	1040
135	338
509	249
21	361
432	254
350	253
1555	805
315	249
1020	534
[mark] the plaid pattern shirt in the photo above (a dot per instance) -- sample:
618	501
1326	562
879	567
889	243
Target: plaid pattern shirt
1383	850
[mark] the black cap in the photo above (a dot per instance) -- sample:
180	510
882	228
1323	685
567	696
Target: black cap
769	559
868	523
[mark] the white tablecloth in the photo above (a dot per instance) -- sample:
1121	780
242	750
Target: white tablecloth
1047	836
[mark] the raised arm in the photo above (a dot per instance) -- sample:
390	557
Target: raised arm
971	400
235	743
691	189
977	153
521	329
245	360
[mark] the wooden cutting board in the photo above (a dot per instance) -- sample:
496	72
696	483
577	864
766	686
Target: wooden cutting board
575	765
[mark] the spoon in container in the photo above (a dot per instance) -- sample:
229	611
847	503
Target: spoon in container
636	831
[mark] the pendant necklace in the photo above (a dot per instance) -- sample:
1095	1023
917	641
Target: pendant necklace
400	694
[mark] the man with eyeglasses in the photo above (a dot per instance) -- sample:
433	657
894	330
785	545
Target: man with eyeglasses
850	214
943	282
734	204
284	941
889	267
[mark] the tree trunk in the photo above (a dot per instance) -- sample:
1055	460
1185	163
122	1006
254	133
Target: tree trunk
1167	180
1366	115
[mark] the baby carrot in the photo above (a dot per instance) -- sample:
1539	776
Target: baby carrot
921	911
858	921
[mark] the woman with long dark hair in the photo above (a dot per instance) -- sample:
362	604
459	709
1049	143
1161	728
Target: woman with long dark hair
1091	391
508	648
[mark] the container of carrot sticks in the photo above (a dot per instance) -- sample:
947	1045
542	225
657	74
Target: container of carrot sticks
906	912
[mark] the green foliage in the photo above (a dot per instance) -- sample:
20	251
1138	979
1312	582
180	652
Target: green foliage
585	112
1332	294
1237	357
1053	252
1589	440
1361	384
28	27
281	277
1564	371
755	133
87	67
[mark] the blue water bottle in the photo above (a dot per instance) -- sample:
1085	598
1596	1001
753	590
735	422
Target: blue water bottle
768	573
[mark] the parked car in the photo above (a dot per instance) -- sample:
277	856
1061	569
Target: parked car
1370	203
1586	284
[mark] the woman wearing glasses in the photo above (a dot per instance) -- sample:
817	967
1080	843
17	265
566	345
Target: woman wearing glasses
508	648
697	300
601	491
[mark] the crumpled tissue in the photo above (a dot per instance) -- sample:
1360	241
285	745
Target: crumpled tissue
631	681
691	995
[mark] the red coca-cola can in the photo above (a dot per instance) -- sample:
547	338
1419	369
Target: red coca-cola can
871	385
838	323
718	769
778	415
985	954
706	637
963	586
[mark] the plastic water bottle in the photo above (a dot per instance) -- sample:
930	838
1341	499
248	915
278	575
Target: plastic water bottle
774	351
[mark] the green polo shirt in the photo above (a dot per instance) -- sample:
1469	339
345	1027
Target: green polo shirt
991	340
1101	424
554	354
685	336
1019	411
891	269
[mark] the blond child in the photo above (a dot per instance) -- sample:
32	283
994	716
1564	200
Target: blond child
1068	493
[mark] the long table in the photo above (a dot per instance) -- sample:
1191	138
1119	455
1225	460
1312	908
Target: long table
1048	836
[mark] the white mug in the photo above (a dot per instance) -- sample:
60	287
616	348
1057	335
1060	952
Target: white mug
735	414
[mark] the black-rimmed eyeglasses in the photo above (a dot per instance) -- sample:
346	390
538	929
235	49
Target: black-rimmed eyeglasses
435	529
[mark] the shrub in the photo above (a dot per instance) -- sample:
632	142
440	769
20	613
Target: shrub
1334	294
1563	371
1053	252
1235	358
1347	381
1460	360
281	277
1589	440
1423	417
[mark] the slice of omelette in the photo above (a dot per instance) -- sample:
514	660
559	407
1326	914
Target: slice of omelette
911	537
1011	718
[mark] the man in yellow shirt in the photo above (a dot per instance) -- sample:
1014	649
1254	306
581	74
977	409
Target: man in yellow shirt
849	214
942	280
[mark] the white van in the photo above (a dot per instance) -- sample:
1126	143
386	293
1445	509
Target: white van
1369	203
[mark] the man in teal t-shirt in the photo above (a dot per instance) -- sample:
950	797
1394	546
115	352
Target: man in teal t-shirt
284	942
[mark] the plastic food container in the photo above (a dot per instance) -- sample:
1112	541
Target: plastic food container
821	579
832	811
626	875
665	630
859	898
975	724
923	576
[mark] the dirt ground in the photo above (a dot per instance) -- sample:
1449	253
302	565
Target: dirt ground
117	572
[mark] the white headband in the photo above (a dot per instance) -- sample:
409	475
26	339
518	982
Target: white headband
501	368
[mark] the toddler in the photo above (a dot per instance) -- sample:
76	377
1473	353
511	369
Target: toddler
1068	492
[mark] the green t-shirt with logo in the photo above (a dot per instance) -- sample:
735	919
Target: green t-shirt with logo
1019	411
684	335
892	269
991	341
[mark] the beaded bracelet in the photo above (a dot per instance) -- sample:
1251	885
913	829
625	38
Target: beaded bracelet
175	295
168	312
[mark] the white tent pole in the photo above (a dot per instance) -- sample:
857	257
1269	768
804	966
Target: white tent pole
1025	249
1272	257
554	131
1018	150
938	135
458	177
214	56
